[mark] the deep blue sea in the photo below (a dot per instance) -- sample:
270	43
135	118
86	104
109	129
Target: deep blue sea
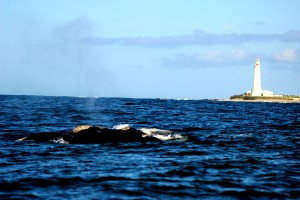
232	150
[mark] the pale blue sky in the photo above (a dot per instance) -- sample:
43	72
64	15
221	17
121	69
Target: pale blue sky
148	49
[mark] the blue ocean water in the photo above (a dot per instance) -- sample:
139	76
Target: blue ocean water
234	150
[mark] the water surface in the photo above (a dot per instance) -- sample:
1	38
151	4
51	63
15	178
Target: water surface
235	150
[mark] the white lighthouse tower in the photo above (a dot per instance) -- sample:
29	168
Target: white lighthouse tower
257	89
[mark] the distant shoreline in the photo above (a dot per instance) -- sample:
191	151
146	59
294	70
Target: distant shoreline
264	100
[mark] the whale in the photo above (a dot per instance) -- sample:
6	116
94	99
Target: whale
90	134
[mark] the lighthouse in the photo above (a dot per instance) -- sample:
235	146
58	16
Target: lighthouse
257	89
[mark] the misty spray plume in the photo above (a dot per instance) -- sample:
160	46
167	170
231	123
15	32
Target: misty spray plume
55	61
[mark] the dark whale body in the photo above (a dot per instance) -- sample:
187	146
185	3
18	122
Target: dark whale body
93	135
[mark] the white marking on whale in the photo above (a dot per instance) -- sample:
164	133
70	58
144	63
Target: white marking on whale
122	127
163	135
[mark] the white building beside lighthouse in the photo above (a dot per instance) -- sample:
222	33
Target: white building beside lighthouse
257	88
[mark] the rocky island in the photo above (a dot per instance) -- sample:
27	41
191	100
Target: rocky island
257	94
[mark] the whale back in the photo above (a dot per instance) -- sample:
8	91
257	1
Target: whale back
95	134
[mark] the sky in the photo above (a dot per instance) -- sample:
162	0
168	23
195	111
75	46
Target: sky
195	49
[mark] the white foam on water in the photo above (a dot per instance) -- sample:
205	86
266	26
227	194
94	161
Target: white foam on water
60	141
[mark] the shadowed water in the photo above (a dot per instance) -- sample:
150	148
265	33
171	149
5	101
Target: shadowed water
234	150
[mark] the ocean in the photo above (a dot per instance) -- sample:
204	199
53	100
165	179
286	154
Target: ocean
211	149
